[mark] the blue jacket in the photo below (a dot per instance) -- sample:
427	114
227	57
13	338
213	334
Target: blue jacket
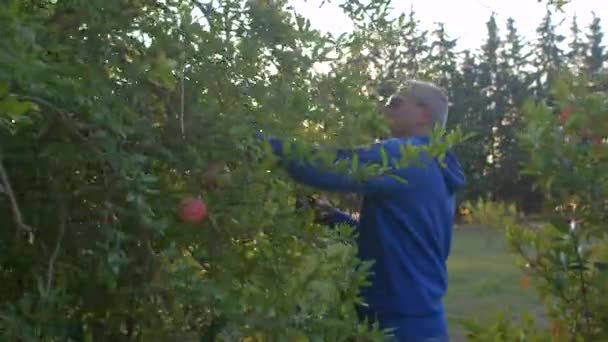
405	228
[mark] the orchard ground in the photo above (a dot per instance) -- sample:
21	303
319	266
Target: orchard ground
484	278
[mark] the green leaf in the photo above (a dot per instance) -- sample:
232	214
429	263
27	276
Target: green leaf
400	179
3	89
560	223
384	157
14	107
355	162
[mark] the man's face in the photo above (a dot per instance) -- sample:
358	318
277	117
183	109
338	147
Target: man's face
407	117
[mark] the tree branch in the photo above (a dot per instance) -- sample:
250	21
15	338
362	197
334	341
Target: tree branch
8	190
63	214
206	10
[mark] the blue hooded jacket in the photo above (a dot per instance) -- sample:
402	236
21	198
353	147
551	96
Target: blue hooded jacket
405	228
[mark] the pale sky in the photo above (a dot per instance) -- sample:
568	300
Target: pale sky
464	19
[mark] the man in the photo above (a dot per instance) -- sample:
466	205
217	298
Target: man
404	227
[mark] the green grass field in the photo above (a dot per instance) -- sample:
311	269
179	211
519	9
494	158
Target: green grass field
484	279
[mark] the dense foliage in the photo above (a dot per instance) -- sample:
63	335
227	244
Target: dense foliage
113	111
567	258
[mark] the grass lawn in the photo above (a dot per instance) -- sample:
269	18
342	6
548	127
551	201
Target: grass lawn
484	278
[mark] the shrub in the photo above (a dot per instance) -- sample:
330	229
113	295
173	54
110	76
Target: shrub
566	260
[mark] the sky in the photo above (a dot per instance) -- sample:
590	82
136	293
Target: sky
464	19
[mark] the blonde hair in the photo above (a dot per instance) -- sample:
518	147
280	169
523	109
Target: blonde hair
432	96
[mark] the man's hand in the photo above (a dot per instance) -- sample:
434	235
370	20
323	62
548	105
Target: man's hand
325	213
323	210
322	207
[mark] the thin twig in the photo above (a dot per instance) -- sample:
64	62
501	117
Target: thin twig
206	10
544	274
8	190
181	80
581	277
63	214
181	114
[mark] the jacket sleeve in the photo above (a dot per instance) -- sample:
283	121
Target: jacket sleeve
329	179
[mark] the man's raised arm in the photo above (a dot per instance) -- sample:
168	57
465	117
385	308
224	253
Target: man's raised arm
332	179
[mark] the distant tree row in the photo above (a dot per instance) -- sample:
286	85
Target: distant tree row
487	86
